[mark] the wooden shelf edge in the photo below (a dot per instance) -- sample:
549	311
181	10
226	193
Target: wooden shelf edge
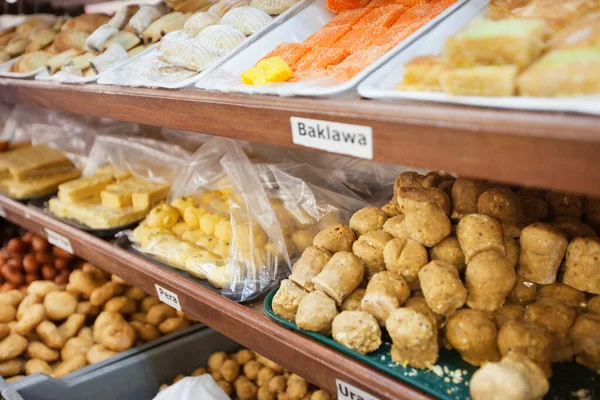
545	150
247	325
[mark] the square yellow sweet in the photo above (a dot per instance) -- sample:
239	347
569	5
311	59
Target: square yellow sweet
504	42
480	81
268	70
423	71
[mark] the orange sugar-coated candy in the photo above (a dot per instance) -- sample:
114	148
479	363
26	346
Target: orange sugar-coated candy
308	74
343	5
348	18
321	58
358	61
359	38
397	33
384	16
411	3
382	3
326	36
291	53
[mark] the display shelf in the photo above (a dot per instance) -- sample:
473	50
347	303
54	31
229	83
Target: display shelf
246	324
548	150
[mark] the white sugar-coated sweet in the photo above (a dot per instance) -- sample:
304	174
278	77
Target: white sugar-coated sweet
172	37
113	55
197	22
188	54
97	39
273	7
248	20
220	38
223	6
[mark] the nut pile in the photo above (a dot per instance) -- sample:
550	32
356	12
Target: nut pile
475	266
31	258
254	377
57	329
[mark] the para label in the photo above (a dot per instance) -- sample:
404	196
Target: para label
168	297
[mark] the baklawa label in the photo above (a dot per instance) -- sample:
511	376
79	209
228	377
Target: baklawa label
346	391
335	137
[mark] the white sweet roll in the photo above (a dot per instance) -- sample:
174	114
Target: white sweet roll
96	40
145	16
113	55
122	16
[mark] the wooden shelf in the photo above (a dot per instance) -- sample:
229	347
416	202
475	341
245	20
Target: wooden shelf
246	324
548	150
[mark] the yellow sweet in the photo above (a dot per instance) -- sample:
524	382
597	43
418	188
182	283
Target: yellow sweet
269	70
162	216
83	187
208	222
180	229
192	216
143	199
192	236
182	203
223	230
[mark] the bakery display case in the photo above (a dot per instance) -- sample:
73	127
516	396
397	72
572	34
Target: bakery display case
390	199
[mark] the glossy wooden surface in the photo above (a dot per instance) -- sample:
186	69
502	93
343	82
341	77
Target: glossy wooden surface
246	324
548	150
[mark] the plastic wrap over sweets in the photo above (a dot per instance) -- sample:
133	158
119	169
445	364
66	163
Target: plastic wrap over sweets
144	158
372	181
71	134
237	224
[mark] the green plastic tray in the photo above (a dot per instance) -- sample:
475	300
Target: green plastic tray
451	380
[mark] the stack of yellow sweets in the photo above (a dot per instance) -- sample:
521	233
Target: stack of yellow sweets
34	171
108	199
542	48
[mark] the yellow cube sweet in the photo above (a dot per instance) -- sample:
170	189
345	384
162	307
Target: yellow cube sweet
269	70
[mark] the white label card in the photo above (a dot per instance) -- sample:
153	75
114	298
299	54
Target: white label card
2	212
59	240
334	137
346	391
168	297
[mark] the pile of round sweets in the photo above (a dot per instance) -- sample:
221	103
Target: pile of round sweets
58	329
251	376
474	266
31	258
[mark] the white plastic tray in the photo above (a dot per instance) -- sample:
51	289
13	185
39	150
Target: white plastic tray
44	75
4	70
308	21
140	72
382	84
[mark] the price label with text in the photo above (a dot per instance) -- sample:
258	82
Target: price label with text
334	137
59	240
168	297
346	391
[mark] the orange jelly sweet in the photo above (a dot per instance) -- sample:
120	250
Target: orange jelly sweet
362	32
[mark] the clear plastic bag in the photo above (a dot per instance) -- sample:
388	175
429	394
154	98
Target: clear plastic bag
193	387
237	223
190	141
145	158
372	181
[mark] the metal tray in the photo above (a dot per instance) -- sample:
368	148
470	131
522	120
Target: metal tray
116	77
136	377
31	382
108	233
21	75
227	77
45	76
443	382
382	84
